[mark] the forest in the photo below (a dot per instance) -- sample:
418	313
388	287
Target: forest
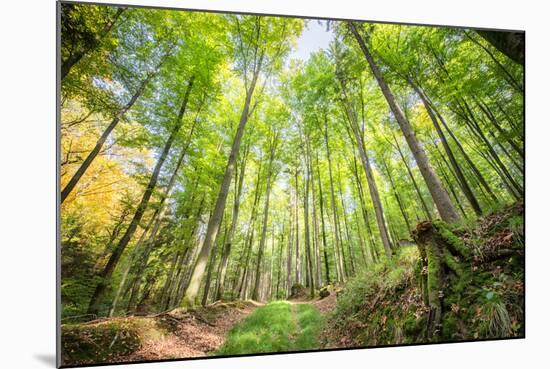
223	194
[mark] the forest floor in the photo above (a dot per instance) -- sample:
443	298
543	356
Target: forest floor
180	333
194	333
233	328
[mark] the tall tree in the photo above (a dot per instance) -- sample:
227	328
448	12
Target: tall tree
273	143
97	297
441	198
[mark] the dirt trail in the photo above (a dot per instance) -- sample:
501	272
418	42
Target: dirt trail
194	333
325	305
176	334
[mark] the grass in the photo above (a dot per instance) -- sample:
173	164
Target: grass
310	324
276	327
482	296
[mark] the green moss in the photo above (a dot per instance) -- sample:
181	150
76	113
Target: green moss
446	232
449	327
434	269
411	326
187	302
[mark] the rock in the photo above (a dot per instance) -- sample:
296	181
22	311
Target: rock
324	292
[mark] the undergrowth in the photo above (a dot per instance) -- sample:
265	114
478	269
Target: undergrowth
482	294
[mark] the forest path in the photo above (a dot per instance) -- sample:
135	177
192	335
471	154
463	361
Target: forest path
194	333
239	327
279	326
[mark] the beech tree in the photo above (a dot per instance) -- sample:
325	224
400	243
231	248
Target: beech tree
207	166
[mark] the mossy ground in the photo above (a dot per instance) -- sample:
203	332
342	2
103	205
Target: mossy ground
482	294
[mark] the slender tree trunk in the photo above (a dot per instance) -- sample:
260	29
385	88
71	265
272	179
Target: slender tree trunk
494	121
250	235
309	256
255	291
508	76
364	212
239	180
413	180
448	180
209	273
297	271
441	198
397	197
323	231
317	248
474	126
361	239
373	188
348	235
143	255
169	280
280	261
464	185
339	268
289	248
97	297
474	168
113	236
215	220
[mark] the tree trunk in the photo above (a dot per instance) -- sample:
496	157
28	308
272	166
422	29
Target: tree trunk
211	266
441	198
309	256
297	271
364	212
289	249
373	188
509	78
465	155
158	216
215	220
323	232
464	185
474	126
316	248
249	237
97	297
255	291
397	197
339	267
239	180
413	180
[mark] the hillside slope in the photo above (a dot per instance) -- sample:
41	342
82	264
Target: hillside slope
462	283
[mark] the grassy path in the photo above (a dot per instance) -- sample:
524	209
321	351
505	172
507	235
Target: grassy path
277	327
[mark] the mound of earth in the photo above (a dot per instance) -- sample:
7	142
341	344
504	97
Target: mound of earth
180	333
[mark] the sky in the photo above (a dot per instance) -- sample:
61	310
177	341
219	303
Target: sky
313	38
